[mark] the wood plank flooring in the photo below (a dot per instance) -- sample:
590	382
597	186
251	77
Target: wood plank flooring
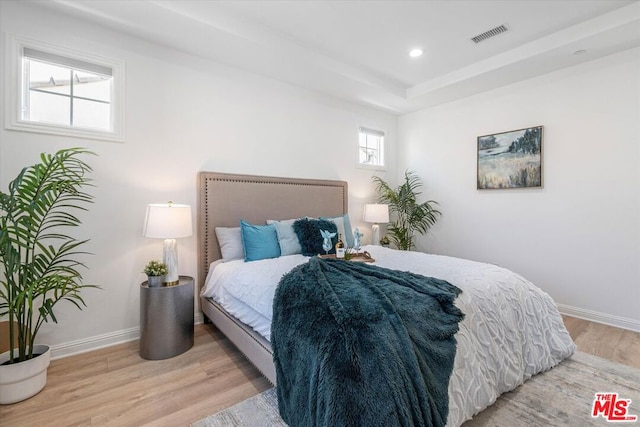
115	387
615	344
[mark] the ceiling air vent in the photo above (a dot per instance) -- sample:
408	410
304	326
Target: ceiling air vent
488	34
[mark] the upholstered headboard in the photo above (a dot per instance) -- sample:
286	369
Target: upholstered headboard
224	199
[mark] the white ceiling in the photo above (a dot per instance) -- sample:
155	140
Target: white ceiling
358	50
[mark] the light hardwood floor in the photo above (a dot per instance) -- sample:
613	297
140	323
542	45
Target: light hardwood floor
115	387
618	345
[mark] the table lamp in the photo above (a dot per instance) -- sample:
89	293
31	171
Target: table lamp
168	221
376	213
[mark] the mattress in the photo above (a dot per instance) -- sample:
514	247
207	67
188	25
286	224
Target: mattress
512	329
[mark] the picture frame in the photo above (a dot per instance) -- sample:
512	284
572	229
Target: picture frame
511	159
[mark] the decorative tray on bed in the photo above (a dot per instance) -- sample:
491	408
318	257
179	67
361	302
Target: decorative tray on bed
359	257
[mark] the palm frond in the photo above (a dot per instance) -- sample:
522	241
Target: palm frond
40	265
407	215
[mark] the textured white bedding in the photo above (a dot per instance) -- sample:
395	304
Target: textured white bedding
511	331
246	289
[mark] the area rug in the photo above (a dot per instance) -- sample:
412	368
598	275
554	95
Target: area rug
562	396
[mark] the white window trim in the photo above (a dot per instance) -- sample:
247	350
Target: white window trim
13	89
384	150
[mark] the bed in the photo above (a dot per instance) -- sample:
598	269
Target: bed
224	199
504	339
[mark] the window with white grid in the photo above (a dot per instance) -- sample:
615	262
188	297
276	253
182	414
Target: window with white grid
64	92
371	148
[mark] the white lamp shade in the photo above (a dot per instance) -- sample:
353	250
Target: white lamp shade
167	221
377	213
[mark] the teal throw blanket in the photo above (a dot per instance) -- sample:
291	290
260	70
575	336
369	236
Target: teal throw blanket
360	345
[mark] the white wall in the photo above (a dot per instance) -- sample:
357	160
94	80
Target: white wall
577	238
183	115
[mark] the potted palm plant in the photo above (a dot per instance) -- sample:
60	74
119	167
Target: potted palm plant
407	215
39	262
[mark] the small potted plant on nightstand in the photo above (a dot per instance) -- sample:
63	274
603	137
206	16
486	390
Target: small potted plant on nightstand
384	241
155	271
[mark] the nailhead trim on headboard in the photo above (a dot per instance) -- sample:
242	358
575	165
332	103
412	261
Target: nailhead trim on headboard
320	197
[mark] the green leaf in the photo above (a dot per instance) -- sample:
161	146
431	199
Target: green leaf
39	259
407	216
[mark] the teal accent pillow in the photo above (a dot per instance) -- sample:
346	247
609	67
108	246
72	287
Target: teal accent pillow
308	232
259	241
287	238
344	227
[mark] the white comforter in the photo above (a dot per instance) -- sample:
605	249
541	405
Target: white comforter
511	331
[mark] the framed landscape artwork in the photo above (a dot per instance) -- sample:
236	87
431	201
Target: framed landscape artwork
510	159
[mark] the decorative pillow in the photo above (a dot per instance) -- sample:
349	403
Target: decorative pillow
287	238
260	241
344	227
230	242
308	232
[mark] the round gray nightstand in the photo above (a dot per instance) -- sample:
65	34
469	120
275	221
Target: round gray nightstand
166	319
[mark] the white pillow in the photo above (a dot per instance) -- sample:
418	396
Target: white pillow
230	242
287	238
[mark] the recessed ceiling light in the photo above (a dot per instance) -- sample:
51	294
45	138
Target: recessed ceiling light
579	52
416	52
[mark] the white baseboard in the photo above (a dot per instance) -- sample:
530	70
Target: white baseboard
101	341
198	318
595	316
94	343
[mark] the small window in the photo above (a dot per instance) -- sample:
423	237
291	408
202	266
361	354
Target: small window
68	93
371	148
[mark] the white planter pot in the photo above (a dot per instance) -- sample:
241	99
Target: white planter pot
20	381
